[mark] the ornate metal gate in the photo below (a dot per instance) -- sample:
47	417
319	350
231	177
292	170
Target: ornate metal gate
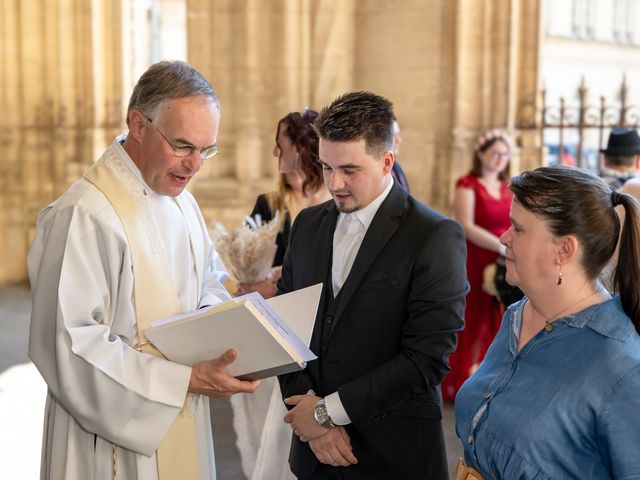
581	121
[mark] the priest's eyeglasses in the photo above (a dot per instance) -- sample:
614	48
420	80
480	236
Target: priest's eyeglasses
187	150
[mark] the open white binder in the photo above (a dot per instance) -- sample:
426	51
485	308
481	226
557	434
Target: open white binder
271	336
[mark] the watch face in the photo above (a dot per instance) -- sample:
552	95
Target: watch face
319	413
322	416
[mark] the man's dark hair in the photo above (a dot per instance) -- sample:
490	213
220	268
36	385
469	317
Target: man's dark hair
358	115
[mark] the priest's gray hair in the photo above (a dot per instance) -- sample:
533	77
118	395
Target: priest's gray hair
167	80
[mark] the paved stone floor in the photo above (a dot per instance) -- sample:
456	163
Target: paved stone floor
22	394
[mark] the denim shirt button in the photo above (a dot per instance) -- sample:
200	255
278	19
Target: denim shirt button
470	439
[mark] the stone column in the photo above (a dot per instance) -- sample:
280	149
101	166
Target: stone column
264	59
497	47
62	86
528	48
12	169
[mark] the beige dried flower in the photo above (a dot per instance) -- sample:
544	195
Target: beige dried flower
248	252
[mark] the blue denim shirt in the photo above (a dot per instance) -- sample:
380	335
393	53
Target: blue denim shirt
566	406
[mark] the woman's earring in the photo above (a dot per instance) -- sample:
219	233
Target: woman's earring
559	277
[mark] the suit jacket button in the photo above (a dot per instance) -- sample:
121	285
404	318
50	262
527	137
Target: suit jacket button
329	319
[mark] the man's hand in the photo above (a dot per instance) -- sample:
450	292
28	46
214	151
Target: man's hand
210	378
266	288
334	448
301	417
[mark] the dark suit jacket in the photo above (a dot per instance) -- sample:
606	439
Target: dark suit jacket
398	175
384	344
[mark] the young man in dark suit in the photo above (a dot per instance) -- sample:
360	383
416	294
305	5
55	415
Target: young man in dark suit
393	299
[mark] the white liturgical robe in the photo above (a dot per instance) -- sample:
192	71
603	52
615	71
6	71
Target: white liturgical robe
103	392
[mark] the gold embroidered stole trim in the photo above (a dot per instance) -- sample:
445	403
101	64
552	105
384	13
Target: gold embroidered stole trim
155	297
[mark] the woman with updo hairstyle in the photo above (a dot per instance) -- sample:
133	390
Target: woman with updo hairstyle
263	439
481	205
300	185
558	392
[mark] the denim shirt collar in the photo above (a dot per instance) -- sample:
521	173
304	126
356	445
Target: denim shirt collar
607	318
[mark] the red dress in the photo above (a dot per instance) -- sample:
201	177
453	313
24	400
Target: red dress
483	313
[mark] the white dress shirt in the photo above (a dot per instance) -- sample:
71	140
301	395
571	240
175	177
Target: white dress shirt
347	239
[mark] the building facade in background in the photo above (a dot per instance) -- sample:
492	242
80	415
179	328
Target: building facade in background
593	44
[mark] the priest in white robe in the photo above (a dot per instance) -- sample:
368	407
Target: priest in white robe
126	245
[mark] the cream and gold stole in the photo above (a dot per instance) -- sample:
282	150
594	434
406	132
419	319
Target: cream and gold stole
155	297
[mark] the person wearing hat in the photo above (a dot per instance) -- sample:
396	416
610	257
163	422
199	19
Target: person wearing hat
620	170
621	157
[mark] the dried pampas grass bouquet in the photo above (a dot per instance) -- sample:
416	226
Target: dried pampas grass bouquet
248	252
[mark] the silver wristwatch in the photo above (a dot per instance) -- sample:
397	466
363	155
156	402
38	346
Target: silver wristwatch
322	416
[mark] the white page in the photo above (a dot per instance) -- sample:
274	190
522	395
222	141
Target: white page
298	303
299	314
180	316
292	307
283	329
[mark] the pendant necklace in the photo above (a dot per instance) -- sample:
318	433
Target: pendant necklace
548	321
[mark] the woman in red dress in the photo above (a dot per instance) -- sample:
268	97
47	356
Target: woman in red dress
481	205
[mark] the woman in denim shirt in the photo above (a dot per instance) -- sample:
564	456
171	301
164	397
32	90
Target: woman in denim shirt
558	393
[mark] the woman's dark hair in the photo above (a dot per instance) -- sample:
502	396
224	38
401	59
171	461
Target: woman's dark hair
576	202
299	128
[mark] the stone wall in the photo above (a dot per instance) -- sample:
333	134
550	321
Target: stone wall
452	67
61	98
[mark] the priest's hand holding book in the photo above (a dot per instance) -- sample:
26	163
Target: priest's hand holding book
211	379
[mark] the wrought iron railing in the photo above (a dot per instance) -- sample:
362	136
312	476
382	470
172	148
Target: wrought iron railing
578	118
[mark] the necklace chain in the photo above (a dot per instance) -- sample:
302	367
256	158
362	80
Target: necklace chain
548	320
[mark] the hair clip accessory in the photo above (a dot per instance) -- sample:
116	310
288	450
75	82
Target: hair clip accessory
491	135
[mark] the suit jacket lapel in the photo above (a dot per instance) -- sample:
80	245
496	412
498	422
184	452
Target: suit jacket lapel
322	252
323	246
384	224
